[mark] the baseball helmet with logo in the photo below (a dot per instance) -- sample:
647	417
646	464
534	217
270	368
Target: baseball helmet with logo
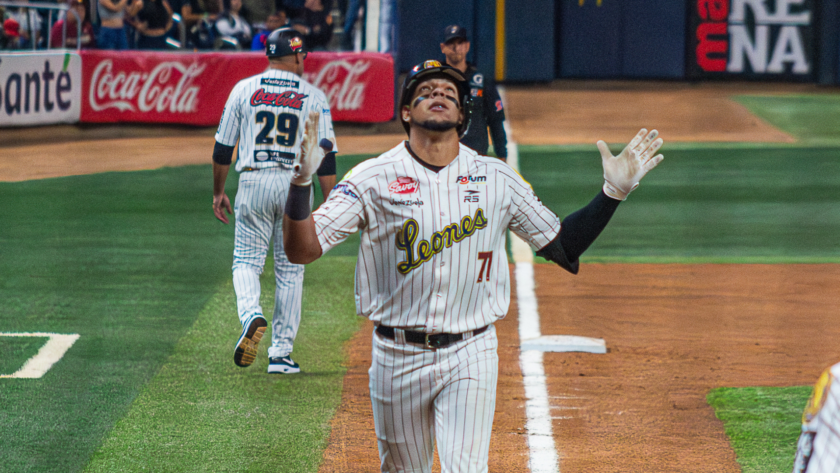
283	42
434	69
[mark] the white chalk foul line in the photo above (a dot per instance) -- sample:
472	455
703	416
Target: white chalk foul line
52	351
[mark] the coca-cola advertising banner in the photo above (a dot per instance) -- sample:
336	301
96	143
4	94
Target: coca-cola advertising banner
752	39
191	88
40	88
359	86
161	87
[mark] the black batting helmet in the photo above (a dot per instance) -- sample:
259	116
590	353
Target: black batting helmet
283	42
434	69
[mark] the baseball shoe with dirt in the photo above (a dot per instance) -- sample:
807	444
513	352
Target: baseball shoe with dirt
246	347
283	365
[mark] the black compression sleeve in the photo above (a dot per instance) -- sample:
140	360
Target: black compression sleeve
222	154
578	231
327	167
297	205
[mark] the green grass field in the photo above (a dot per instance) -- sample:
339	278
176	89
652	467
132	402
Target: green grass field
136	265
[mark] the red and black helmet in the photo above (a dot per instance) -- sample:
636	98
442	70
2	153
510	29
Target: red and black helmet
284	42
434	69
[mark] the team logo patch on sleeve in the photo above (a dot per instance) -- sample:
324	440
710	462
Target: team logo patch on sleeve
498	105
404	185
279	82
345	189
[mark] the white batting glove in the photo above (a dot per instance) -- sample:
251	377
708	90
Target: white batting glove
622	173
308	160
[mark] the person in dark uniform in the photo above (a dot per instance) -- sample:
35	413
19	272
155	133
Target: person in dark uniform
487	105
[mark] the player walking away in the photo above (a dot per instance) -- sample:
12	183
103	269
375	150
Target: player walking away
432	271
487	104
265	113
818	450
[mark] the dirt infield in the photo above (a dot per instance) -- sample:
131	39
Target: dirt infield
673	331
561	113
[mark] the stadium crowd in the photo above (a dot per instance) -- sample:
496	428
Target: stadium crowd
175	24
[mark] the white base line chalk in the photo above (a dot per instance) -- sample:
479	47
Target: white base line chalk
48	355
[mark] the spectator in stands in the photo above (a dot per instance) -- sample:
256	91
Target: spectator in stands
152	23
293	8
11	34
112	14
87	39
29	26
315	24
274	21
350	17
230	23
203	33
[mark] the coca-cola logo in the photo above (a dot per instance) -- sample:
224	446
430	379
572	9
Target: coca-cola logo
403	185
167	88
289	99
339	80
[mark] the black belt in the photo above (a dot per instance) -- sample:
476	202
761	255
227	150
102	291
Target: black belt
429	340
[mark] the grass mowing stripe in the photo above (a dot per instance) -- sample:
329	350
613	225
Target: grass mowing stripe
762	423
813	119
16	350
722	205
125	260
203	413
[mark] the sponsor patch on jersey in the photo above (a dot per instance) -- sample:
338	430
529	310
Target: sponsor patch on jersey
285	159
471	180
498	105
325	111
345	189
406	202
471	196
289	98
404	185
477	92
279	82
477	80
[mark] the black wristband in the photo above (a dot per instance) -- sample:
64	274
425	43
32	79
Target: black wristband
327	167
297	205
222	154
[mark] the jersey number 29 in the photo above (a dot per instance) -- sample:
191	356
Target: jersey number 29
286	124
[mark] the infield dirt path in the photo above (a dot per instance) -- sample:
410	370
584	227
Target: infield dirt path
673	331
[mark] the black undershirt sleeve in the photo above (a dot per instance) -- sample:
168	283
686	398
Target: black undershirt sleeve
578	231
222	154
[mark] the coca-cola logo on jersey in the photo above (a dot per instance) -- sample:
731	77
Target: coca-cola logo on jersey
289	99
339	80
166	88
403	185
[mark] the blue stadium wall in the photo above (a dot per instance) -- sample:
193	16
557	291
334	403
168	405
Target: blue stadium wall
542	40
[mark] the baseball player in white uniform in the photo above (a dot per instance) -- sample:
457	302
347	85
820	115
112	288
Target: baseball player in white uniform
265	114
818	450
432	272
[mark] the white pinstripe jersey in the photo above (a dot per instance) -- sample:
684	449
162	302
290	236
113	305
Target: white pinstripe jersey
818	450
268	112
432	255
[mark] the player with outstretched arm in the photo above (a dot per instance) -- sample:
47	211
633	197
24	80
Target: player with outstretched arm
432	270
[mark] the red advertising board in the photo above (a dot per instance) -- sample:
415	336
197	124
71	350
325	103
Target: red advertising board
191	88
359	86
